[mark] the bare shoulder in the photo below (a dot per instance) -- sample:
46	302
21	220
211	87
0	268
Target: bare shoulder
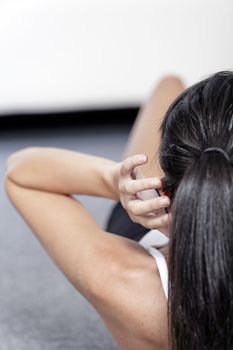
133	306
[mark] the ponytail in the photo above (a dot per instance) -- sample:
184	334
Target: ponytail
201	257
200	184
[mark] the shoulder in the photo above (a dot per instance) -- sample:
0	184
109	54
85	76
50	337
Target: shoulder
132	303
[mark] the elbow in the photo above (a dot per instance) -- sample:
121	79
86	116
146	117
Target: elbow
12	165
10	178
15	174
9	187
16	162
14	192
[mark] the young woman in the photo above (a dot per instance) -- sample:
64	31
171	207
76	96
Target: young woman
123	280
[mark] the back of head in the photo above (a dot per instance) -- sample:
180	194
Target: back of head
201	236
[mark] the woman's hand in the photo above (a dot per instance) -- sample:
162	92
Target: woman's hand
138	195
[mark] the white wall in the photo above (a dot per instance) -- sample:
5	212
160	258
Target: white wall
65	54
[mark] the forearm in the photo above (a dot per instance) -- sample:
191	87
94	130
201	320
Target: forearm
61	171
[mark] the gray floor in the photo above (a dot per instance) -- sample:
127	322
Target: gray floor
39	308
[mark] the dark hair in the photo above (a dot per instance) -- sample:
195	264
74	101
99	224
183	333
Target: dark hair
200	307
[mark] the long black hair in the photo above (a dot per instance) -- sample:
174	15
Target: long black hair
200	307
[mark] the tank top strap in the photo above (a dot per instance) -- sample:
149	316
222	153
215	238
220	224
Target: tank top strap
162	267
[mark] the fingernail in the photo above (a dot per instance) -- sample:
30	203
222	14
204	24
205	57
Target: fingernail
164	201
142	158
155	183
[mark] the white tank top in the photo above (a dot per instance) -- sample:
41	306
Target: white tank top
152	239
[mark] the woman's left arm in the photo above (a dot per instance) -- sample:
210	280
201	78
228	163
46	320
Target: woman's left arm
39	182
62	171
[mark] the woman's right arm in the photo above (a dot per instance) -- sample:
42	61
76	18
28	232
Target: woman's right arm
61	171
68	172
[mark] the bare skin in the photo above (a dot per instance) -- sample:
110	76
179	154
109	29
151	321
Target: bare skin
124	286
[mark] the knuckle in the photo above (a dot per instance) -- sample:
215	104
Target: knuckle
139	184
121	187
151	205
128	206
134	210
131	207
131	188
122	171
127	187
131	164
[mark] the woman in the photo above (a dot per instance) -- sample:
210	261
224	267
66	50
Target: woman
118	275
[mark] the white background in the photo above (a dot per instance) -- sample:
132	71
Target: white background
78	54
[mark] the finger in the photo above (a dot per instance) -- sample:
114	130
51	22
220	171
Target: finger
156	222
139	207
134	186
130	163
